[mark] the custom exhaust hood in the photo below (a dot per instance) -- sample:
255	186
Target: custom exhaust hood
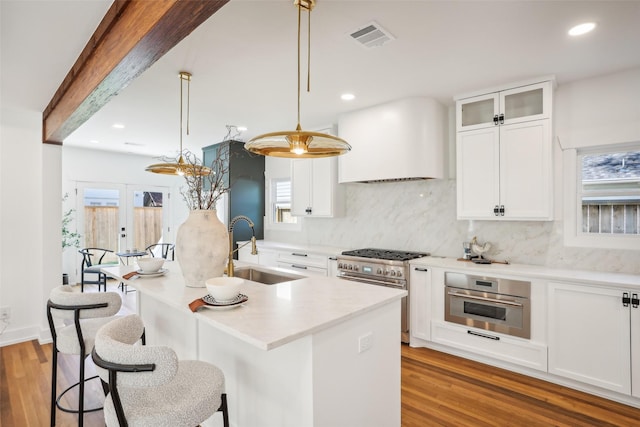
397	141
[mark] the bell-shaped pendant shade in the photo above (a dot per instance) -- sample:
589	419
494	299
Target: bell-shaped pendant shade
180	168
297	144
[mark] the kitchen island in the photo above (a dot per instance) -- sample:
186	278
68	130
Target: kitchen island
315	351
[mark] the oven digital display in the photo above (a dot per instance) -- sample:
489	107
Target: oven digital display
367	269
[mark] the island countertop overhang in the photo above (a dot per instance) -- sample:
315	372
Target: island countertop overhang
274	315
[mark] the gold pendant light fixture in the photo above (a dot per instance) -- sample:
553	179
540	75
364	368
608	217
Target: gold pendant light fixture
299	143
181	167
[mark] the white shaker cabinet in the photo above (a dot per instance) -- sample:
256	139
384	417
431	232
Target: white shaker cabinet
505	172
421	300
594	336
504	107
314	188
504	155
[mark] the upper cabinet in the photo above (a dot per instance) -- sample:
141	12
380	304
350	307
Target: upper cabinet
314	188
521	104
504	154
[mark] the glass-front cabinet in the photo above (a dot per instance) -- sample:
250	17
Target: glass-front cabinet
520	104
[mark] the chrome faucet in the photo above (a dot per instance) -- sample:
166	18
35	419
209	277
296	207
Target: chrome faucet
254	249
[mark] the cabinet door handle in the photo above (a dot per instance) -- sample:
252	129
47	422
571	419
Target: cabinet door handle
635	302
495	120
421	269
308	211
501	118
501	210
301	267
478	334
298	254
625	299
496	210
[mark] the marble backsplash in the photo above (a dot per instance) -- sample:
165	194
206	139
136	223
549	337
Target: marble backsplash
421	216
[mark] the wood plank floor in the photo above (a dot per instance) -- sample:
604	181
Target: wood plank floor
437	390
443	390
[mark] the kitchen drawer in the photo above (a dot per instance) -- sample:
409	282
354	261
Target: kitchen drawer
303	269
512	350
303	258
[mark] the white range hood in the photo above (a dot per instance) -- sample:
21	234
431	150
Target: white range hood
399	140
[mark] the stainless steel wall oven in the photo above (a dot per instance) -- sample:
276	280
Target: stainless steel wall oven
492	304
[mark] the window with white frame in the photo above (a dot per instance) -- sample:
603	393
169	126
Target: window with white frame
610	192
281	202
606	210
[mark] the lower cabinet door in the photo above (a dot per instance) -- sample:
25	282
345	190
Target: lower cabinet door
589	335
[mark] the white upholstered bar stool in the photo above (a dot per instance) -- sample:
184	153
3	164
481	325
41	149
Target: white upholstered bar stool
81	315
148	386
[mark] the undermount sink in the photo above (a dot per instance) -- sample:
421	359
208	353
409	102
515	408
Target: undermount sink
264	276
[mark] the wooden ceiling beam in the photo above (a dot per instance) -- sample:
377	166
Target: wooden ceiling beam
132	36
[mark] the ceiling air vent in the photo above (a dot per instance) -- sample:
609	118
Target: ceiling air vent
371	35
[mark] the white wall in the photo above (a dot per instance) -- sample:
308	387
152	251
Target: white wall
421	215
21	228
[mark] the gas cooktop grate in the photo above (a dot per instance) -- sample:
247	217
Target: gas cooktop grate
385	254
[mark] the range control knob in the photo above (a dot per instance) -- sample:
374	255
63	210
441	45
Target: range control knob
355	268
339	265
386	272
350	267
399	273
393	273
379	271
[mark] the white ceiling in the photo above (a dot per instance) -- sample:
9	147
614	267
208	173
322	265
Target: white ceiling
243	61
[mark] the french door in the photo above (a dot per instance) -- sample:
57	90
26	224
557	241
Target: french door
122	217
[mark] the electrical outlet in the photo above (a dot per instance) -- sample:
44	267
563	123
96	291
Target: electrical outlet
365	342
5	313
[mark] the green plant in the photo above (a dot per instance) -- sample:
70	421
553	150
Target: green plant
70	239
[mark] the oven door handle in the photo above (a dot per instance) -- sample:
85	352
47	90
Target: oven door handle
491	300
370	281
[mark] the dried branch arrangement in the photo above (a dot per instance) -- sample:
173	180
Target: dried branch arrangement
202	193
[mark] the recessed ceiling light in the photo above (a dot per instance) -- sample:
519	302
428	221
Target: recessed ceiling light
242	128
347	96
94	141
581	29
118	126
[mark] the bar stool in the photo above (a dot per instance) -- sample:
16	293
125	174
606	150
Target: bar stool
82	314
148	386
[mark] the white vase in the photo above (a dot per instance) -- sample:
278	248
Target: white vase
202	247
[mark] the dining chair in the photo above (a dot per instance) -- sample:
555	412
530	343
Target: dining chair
93	260
149	386
79	316
165	250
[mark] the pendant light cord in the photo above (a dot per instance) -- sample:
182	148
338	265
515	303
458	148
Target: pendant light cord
299	14
308	56
184	76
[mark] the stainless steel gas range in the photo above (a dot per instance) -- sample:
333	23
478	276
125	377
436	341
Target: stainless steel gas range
381	267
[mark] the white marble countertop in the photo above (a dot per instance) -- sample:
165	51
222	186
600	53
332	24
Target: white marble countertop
534	272
274	314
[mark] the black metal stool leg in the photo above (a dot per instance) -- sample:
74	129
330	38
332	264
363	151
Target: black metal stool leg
54	382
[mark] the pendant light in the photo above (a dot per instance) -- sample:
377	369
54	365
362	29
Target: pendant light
299	143
181	167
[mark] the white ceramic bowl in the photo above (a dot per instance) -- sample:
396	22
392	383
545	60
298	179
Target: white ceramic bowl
224	288
150	265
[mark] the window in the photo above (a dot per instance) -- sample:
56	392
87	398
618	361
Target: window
280	206
606	210
610	193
